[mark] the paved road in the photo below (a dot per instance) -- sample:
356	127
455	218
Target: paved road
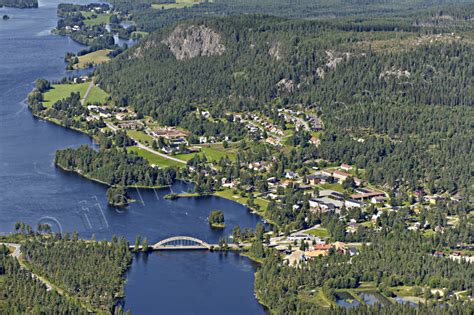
144	147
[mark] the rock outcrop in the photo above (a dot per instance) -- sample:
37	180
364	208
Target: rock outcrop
190	41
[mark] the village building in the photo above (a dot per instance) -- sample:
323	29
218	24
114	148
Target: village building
345	167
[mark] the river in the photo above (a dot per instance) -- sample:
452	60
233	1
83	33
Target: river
34	191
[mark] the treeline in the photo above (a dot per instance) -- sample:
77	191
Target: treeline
21	293
88	270
115	167
391	260
21	4
359	13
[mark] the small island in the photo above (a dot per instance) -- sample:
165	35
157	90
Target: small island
6	17
118	196
216	219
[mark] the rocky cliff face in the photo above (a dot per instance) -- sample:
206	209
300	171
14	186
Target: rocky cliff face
190	41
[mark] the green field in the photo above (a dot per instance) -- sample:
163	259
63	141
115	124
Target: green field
336	187
180	4
155	159
215	152
320	232
95	58
96	96
61	91
228	194
100	19
140	136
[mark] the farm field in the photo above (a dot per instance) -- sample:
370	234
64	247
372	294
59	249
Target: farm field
61	91
93	58
100	19
96	96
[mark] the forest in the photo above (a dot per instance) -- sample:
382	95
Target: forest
114	167
22	294
94	273
21	4
356	11
349	76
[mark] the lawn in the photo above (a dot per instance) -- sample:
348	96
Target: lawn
95	58
155	159
100	19
213	152
140	136
180	4
317	297
97	96
319	232
61	91
336	187
229	194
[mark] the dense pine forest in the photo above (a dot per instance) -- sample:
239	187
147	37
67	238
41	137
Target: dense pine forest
94	272
20	293
424	12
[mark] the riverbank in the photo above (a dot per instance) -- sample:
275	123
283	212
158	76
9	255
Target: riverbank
229	196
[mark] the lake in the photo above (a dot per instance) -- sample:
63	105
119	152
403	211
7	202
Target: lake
34	191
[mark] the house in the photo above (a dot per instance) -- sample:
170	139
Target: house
378	200
316	253
342	176
353	204
319	178
272	141
375	217
367	195
345	167
272	180
291	175
121	116
256	166
331	194
325	203
352	251
286	183
315	141
322	246
300	237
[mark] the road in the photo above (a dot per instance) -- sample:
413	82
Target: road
16	254
144	147
138	144
89	88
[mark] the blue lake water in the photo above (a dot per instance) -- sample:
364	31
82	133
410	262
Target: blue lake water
34	191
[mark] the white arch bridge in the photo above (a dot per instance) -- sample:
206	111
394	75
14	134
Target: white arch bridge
182	242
